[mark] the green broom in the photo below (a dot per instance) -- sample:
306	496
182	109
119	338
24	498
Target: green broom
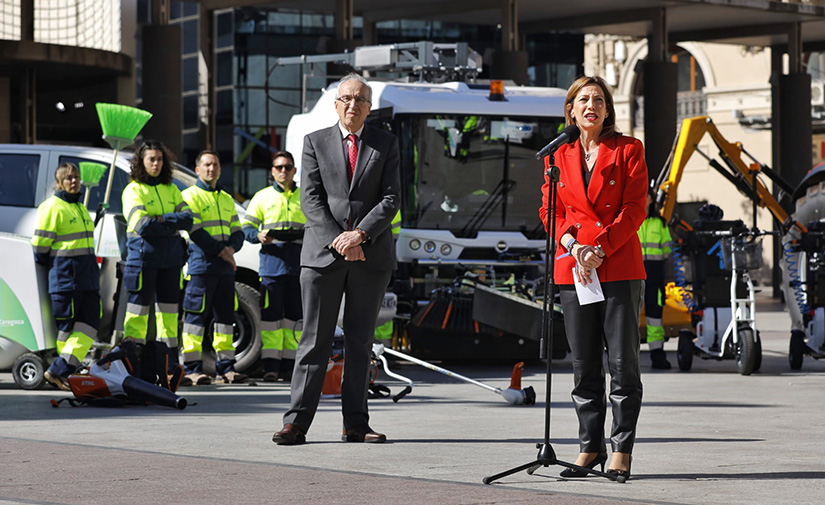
90	175
120	125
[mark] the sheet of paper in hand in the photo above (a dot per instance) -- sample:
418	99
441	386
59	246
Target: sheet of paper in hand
590	293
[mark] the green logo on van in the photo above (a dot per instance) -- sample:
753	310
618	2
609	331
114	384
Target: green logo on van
14	323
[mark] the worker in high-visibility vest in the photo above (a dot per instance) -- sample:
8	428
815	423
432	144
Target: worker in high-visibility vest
383	333
210	291
274	219
655	238
155	214
64	243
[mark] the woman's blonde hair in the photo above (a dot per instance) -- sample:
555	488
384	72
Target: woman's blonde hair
62	170
609	125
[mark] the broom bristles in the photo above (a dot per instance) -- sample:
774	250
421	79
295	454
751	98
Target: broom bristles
91	173
121	121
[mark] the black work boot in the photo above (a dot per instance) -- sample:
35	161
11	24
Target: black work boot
658	359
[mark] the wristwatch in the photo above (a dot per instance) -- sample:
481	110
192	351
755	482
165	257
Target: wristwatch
600	251
363	234
570	244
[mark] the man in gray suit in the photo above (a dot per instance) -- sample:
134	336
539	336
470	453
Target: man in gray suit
350	192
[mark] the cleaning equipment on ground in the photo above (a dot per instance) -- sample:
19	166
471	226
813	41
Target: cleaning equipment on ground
109	382
90	175
514	394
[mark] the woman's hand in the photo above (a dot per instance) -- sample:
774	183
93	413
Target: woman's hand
582	274
586	256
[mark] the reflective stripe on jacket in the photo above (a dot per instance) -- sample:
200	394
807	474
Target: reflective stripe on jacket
215	225
151	241
396	224
655	238
273	208
64	243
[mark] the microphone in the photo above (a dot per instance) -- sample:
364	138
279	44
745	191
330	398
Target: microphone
569	134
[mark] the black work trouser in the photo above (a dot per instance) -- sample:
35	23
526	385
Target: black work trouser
613	326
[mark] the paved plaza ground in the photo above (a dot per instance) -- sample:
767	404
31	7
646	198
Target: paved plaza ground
710	436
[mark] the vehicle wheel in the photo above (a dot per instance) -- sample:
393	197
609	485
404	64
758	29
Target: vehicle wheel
797	349
247	339
757	352
684	352
28	371
746	351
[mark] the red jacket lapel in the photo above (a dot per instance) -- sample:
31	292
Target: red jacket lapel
604	165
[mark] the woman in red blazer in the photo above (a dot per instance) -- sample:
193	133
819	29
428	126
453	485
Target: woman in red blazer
599	207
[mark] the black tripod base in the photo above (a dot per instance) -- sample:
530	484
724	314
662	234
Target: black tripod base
547	457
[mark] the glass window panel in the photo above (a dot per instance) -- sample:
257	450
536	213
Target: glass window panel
121	179
223	107
224	69
190	8
190	112
495	153
190	74
190	37
256	105
223	27
18	175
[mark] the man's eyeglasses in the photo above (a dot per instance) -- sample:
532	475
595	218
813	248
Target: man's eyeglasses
359	100
283	167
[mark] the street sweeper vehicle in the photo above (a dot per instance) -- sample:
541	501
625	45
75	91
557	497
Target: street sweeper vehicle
469	199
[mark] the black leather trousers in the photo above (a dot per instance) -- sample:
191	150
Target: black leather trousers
611	325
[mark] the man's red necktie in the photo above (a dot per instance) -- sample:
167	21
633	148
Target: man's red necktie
353	155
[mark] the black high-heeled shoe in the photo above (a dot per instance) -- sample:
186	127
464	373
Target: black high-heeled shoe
600	459
621	476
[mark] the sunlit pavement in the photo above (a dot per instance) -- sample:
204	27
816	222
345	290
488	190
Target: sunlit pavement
705	436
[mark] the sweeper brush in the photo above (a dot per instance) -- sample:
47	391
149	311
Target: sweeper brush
90	175
514	394
120	125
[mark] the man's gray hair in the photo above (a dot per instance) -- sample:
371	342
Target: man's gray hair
352	76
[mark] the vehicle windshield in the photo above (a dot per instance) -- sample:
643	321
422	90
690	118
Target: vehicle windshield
473	173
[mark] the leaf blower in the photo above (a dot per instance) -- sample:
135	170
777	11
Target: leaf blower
109	384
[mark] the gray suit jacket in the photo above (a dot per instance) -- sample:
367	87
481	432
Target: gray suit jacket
331	205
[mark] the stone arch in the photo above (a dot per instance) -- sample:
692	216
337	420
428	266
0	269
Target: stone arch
627	83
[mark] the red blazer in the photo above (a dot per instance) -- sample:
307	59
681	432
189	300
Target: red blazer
609	214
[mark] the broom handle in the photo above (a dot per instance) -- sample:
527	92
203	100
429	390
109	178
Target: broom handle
440	370
86	197
111	178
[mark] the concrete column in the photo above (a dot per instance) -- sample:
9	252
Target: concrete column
509	26
343	19
162	85
790	122
794	126
510	63
5	114
207	48
28	105
660	78
370	33
160	12
791	111
27	20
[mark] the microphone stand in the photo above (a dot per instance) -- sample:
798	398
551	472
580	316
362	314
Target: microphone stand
546	455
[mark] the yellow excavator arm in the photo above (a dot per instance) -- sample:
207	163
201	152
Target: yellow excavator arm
692	131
